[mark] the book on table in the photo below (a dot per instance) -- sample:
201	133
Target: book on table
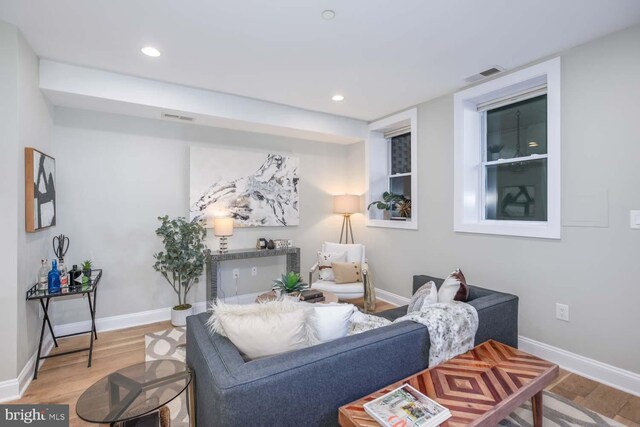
310	294
405	406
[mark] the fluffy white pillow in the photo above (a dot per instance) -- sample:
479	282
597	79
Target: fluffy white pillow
324	263
330	321
426	295
454	288
264	329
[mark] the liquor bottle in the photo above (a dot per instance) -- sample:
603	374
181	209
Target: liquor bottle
53	278
43	276
64	276
74	274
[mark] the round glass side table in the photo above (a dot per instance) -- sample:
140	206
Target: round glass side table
137	390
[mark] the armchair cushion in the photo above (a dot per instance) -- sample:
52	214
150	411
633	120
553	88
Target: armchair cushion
325	261
355	252
340	289
347	272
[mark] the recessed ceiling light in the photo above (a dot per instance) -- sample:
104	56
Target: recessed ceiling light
328	15
150	51
337	98
533	144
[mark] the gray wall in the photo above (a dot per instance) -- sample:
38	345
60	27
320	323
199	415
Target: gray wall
593	270
116	174
27	123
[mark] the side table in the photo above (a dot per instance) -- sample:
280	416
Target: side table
136	391
45	297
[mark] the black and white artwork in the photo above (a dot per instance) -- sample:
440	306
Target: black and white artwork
41	190
518	201
256	189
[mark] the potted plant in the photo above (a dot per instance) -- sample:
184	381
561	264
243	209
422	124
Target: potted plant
86	268
495	150
182	261
289	284
391	201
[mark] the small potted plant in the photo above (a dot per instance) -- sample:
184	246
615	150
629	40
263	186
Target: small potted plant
289	284
391	201
495	150
182	261
86	268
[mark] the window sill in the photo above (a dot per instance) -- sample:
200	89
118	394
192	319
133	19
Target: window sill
544	230
387	223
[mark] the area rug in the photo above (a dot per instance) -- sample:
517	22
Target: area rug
558	411
170	344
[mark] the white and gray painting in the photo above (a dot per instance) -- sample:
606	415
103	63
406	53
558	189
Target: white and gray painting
44	191
256	189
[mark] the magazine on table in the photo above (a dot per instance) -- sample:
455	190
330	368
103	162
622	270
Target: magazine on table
406	407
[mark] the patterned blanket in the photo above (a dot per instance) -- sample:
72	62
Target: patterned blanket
452	327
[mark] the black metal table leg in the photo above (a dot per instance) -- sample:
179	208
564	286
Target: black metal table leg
93	314
44	324
93	328
46	317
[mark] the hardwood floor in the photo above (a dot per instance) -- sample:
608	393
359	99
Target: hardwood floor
63	379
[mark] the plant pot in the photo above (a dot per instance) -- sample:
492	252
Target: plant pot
179	317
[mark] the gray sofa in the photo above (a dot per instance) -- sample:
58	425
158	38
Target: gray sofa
306	387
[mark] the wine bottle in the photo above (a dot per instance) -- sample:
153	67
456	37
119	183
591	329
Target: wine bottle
54	278
64	277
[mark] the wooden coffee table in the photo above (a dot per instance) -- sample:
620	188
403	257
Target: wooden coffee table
480	387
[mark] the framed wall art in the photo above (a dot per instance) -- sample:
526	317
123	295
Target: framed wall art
40	190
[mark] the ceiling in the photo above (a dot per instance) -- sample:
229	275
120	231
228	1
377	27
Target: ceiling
382	55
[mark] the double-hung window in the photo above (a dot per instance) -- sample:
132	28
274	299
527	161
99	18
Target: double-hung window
507	154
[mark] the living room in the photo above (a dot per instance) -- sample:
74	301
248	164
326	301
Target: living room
142	107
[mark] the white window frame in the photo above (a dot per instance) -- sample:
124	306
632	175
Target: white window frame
469	209
377	171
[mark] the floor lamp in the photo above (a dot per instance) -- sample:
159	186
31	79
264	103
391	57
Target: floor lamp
346	205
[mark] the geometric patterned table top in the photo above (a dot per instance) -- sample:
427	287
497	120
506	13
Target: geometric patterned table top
480	387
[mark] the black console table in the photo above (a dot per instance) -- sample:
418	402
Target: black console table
45	297
215	258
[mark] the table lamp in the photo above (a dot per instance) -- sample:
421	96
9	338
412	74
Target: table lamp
346	204
223	228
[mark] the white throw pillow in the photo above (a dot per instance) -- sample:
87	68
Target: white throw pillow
265	329
453	288
353	251
330	321
324	264
426	295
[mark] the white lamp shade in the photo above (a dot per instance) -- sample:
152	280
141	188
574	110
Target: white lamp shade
346	204
223	227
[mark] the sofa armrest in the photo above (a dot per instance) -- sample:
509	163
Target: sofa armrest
498	318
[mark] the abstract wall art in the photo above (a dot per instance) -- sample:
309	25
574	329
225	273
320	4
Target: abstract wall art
256	189
40	190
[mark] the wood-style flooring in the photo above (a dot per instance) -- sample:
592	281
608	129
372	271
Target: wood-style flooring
63	379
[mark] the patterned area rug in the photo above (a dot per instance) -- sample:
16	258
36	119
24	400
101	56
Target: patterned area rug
170	344
558	411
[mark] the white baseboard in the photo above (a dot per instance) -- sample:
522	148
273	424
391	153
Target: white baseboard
598	371
391	297
14	388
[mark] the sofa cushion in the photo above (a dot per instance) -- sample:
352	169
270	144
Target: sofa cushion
330	321
454	288
325	259
265	329
426	295
347	272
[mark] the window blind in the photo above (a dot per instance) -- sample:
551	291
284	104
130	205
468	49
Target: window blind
506	100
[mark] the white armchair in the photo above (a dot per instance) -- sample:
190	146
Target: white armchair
354	253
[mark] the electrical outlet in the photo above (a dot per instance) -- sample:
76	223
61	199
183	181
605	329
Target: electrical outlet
254	270
562	312
236	273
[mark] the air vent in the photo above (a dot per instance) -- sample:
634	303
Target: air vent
171	116
483	74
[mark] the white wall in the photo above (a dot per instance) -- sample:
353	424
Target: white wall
593	270
117	174
9	170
